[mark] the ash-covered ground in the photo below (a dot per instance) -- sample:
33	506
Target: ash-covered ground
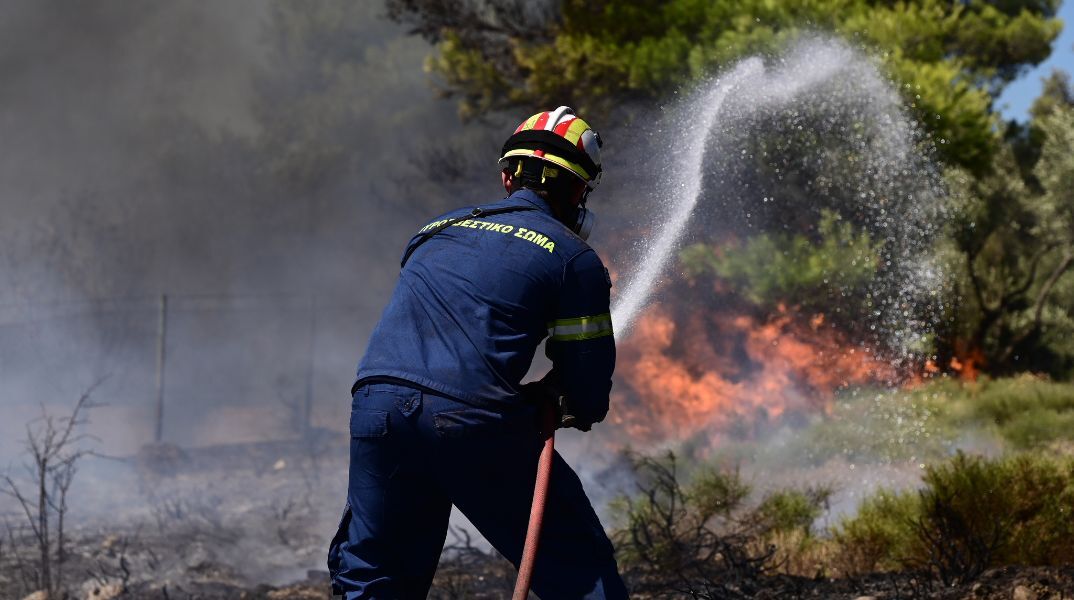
254	520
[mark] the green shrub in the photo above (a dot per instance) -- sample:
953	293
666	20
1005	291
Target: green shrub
1042	508
716	493
873	425
787	511
924	423
771	268
1029	412
966	517
971	514
1038	427
1002	400
877	538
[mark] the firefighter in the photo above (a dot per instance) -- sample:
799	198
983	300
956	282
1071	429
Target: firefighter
439	415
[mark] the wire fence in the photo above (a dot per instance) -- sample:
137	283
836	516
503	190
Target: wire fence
194	369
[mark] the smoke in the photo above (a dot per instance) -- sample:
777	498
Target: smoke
260	163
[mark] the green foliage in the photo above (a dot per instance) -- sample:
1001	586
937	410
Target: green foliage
714	493
1026	139
770	269
971	514
1038	427
920	424
869	426
1056	171
1010	249
964	518
460	65
1057	94
951	59
1027	412
878	536
1003	400
1040	497
1015	253
786	511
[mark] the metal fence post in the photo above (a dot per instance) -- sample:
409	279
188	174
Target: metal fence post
162	331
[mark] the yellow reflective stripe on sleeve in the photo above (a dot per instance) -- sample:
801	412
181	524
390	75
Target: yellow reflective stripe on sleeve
580	328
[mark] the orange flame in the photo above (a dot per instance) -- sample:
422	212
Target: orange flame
709	370
969	365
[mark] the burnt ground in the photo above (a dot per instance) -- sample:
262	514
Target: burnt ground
1009	583
144	566
253	522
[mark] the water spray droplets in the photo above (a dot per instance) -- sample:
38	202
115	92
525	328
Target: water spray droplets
826	131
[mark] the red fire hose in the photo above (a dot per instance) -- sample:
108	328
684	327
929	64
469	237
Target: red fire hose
540	494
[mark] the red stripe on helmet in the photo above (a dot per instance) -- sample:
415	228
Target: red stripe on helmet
562	128
538	153
521	125
541	121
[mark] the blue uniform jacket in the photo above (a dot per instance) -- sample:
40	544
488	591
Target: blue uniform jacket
474	302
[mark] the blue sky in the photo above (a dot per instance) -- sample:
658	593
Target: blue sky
1015	101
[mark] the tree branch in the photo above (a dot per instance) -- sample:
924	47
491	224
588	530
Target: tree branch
1057	273
1023	287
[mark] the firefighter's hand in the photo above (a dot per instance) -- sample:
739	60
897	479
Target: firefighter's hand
567	419
544	392
565	414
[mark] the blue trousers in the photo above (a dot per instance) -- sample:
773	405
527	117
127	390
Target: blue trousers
413	455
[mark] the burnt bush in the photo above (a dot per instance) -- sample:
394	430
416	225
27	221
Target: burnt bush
693	534
54	448
470	573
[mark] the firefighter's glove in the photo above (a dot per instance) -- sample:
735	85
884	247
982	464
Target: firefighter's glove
543	392
566	416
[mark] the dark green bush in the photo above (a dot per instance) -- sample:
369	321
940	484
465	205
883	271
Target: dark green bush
971	514
1042	509
925	422
828	272
875	425
1028	411
878	537
965	518
786	511
1038	427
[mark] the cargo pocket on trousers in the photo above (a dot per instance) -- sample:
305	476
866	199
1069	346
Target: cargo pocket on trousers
372	459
